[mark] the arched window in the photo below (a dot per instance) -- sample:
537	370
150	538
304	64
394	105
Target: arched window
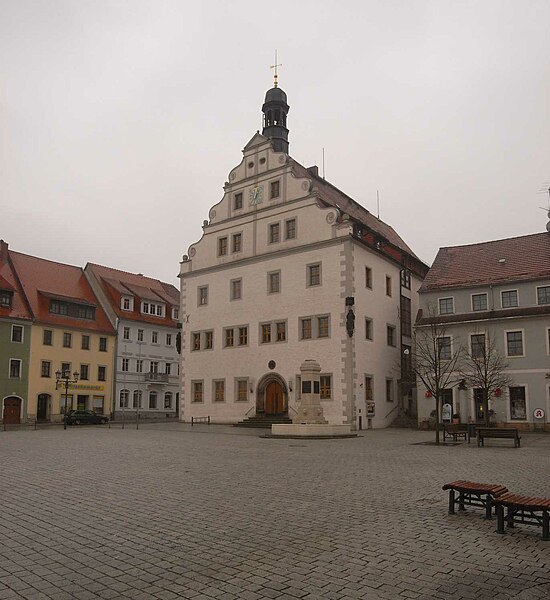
124	396
168	400
137	399
152	399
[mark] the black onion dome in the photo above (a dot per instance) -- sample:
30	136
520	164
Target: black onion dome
275	94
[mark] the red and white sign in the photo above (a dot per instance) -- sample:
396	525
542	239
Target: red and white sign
538	413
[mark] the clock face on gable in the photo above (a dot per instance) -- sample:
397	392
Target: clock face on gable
256	195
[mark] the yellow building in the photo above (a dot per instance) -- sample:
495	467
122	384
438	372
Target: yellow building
72	340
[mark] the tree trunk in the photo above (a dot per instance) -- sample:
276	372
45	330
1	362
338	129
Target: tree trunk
437	418
486	406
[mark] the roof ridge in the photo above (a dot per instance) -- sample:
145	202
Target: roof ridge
49	260
486	243
127	272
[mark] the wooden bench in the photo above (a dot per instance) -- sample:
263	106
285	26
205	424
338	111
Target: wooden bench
495	432
523	509
200	420
473	494
455	431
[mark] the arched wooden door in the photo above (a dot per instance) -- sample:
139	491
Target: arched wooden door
12	411
274	399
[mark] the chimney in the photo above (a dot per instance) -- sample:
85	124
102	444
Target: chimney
3	251
314	171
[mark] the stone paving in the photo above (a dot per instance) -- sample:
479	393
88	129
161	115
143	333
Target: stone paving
216	512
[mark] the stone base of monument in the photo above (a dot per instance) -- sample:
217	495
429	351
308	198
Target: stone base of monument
311	430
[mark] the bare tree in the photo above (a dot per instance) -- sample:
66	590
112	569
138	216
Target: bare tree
485	368
435	362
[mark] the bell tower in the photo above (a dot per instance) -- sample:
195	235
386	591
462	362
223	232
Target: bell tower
275	110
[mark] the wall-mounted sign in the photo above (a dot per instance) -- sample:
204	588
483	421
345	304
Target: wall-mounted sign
538	413
370	409
83	386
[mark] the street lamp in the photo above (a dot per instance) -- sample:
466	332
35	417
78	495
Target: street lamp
65	379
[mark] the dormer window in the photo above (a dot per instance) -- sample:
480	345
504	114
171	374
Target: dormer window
127	303
5	299
72	309
153	309
175	314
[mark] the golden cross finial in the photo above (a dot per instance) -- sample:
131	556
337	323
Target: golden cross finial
275	75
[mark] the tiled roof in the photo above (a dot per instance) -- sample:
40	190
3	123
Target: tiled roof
117	283
489	263
8	281
42	279
335	197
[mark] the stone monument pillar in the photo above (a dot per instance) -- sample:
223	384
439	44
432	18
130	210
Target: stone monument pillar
310	410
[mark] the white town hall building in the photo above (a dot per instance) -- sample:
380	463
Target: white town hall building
289	268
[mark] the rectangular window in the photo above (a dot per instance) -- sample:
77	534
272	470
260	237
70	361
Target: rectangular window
290	229
126	305
47	337
446	306
274	233
229	338
406	279
168	339
477	345
509	299
238	201
65	369
168	368
369	330
222	246
198	395
46	369
126	334
322	327
313	275
274	282
369	390
219	391
139	365
15	368
154	366
479	301
196	337
154	337
203	295
59	308
543	295
5	298
67	340
101	373
140	335
326	387
274	189
126	364
236	289
444	348
243	336
16	333
152	400
281	331
514	343
84	372
103	344
208	340
242	390
175	313
388	286
518	405
390	335
389	390
266	333
406	319
237	242
368	278
85	312
305	329
85	342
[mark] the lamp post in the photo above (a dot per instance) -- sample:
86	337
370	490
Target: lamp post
65	378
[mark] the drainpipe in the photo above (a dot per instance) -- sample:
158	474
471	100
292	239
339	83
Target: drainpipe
115	361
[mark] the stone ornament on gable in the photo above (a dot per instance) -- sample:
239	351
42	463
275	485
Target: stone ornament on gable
331	217
232	175
282	159
306	186
212	214
192	252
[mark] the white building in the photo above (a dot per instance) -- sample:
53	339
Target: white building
290	268
145	313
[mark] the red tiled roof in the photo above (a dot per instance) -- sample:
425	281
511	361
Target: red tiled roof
117	283
41	279
501	261
8	281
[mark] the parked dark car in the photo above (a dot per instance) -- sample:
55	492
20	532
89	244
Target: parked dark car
83	417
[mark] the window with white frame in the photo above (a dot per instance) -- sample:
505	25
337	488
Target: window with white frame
137	399
168	339
127	303
139	365
509	299
479	302
153	309
175	313
406	279
446	306
518	404
125	364
140	335
168	368
123	398
543	294
154	337
126	333
168	400
514	343
16	333
5	298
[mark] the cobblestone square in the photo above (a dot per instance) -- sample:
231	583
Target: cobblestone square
215	512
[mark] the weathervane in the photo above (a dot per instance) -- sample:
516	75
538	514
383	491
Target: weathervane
276	74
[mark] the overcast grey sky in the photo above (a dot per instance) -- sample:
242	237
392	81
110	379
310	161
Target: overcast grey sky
120	120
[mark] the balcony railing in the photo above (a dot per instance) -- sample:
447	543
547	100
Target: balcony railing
158	377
